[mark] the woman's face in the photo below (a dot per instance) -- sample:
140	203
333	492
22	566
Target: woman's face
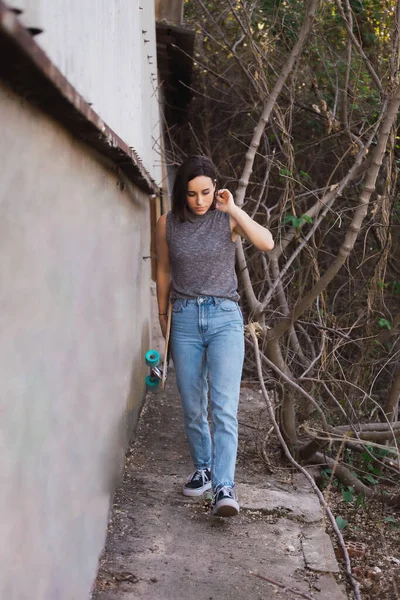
200	194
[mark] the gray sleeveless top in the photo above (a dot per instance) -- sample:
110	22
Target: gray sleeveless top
202	256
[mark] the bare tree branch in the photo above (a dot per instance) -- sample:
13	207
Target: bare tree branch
356	223
357	44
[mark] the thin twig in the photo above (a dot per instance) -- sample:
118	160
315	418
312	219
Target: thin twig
264	451
283	586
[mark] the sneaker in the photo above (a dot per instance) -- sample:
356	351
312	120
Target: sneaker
225	503
198	483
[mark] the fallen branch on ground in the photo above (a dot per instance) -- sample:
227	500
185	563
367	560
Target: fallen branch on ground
347	478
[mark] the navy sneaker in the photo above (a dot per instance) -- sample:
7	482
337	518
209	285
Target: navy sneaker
225	502
197	483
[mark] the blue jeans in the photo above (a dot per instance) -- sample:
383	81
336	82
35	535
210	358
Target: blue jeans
207	346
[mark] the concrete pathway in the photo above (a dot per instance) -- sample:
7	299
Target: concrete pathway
164	546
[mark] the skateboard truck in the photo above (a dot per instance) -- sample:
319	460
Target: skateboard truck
157	372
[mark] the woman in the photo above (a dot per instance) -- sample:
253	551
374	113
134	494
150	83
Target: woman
196	272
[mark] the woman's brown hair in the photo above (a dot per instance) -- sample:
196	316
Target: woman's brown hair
193	166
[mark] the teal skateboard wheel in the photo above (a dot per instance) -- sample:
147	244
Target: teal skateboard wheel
151	383
152	358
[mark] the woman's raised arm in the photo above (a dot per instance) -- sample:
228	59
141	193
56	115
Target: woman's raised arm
242	224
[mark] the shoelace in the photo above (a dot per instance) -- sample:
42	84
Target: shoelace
196	475
226	491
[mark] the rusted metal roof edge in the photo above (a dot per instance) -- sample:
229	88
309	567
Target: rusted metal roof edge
28	70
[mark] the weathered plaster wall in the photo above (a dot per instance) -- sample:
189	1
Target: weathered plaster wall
74	323
107	50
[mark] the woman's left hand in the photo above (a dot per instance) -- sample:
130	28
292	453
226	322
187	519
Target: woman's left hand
225	201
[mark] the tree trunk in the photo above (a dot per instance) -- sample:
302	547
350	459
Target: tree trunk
392	403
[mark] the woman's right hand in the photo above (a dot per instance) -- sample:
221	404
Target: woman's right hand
163	319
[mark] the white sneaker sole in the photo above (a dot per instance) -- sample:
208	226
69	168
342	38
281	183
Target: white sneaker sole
198	491
226	508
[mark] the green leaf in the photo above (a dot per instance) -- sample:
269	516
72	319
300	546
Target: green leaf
360	501
390	520
348	495
382	452
307	218
375	470
371	479
292	220
288	220
367	458
304	175
384	323
341	523
326	473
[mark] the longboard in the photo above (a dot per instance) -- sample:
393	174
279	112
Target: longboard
158	373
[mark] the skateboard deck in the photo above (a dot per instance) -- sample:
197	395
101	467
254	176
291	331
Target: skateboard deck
158	366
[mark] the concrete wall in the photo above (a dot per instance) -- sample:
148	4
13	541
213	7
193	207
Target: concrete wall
74	322
100	47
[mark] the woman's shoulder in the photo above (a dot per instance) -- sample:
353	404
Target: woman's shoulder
222	219
162	224
162	220
219	215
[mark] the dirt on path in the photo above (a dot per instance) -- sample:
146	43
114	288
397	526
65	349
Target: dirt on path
164	546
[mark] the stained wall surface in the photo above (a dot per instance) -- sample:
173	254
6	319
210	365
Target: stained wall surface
107	51
74	323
